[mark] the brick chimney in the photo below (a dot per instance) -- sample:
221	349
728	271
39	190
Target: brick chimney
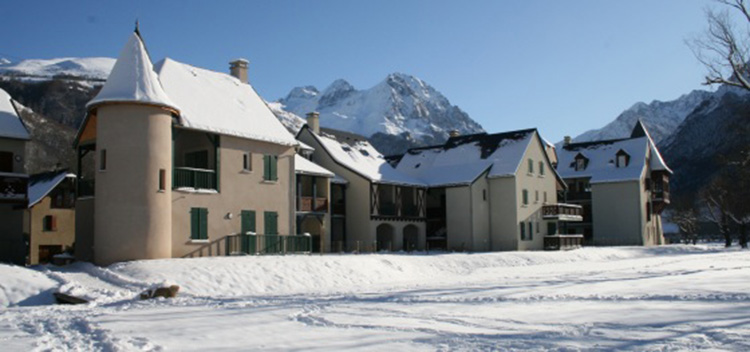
238	69
454	133
567	140
313	121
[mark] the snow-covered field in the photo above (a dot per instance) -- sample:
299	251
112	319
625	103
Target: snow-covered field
662	298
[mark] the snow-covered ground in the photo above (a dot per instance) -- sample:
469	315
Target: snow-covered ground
660	298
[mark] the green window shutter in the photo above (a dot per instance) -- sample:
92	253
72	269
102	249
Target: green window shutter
523	231
274	164
531	231
270	223
194	223
248	221
525	196
266	167
203	223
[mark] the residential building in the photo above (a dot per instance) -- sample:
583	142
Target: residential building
184	159
622	185
13	181
49	221
375	207
490	192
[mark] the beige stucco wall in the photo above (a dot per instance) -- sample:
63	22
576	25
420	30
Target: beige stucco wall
508	210
132	217
617	213
238	190
480	212
458	218
84	234
504	202
64	235
17	147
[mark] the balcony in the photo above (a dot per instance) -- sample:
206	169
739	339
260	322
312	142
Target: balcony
562	242
187	177
562	212
310	204
14	188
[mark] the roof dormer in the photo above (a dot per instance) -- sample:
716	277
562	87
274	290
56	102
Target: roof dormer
580	162
622	158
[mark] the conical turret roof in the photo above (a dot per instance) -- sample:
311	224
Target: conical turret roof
133	79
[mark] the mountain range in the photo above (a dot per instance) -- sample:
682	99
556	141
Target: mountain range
397	113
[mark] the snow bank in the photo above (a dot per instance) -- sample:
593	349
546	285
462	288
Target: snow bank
285	275
20	286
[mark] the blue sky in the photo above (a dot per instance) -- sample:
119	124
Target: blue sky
561	66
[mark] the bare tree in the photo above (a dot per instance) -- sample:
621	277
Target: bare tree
738	198
715	197
723	48
683	213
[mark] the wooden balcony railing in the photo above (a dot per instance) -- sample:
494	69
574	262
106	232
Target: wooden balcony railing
194	178
562	242
14	188
563	212
313	204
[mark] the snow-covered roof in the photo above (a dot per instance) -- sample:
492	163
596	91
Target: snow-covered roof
11	125
305	146
133	79
657	162
359	156
461	160
601	166
307	167
219	103
338	179
41	184
602	158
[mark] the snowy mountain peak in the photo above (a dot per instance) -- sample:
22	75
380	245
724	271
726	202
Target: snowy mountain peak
335	92
302	92
401	111
4	61
86	68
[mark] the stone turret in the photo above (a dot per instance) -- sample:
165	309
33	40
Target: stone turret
133	201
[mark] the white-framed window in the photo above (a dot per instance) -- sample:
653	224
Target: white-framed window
525	194
541	168
536	196
531	166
